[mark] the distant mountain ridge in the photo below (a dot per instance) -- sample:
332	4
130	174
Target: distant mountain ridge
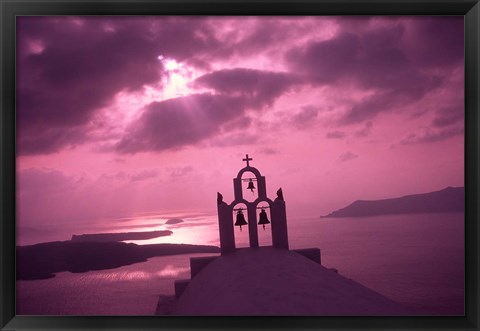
450	199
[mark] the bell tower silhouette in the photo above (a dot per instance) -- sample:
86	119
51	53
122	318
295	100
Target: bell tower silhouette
277	225
277	213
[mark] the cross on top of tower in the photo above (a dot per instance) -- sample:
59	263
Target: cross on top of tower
247	159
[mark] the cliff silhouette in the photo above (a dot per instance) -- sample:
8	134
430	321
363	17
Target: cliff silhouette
42	261
450	199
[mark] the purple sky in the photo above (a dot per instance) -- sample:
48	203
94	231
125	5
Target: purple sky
123	116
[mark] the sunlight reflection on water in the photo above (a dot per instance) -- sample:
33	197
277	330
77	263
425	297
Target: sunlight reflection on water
192	231
114	275
171	271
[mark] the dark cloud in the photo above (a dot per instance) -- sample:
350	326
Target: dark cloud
268	151
111	177
180	122
347	156
252	38
125	176
180	171
260	87
48	139
326	61
381	56
69	67
44	180
431	136
374	59
335	135
448	116
305	117
144	174
265	36
356	23
238	124
371	106
267	31
434	42
365	131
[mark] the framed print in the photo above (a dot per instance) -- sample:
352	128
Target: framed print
228	165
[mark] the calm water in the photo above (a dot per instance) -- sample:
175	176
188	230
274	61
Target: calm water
417	260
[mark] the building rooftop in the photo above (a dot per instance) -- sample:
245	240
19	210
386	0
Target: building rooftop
273	281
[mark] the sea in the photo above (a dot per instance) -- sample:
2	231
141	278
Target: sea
415	259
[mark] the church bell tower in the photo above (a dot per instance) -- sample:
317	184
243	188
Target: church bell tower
226	212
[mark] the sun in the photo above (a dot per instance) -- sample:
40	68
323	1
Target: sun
176	78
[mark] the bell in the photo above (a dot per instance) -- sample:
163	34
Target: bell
240	220
251	187
263	218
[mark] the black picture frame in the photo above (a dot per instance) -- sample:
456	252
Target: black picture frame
9	9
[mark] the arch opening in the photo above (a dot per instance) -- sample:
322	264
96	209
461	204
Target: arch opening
264	215
249	184
241	231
